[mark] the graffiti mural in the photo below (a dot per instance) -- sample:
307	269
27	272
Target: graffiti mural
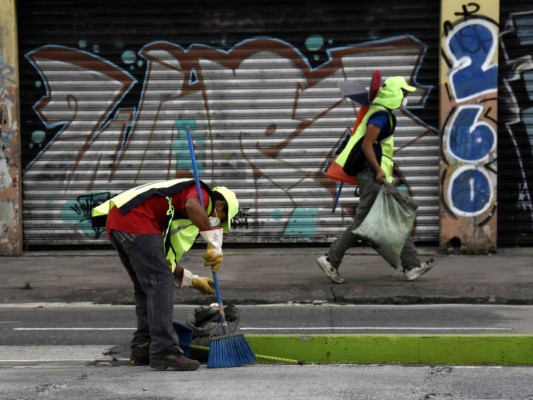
7	114
258	87
225	97
516	132
8	180
469	91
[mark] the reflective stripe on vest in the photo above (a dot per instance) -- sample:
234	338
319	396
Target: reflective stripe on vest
135	196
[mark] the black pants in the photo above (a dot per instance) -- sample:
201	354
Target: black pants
153	284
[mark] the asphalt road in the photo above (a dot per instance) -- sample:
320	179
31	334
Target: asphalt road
85	324
72	327
56	351
267	382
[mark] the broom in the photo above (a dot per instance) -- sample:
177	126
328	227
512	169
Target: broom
260	357
227	350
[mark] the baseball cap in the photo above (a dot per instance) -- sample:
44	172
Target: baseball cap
233	205
390	95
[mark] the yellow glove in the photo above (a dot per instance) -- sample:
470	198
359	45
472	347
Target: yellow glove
213	256
213	259
203	284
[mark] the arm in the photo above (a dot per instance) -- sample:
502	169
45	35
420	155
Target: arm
178	275
213	257
197	214
184	277
371	135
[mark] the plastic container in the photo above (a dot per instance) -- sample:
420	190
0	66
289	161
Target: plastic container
185	336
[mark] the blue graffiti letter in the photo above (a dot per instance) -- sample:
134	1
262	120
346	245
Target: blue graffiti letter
470	140
473	46
470	192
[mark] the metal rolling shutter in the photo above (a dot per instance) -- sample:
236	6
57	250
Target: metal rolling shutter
515	143
107	89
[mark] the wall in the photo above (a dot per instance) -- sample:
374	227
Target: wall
515	145
469	125
10	160
99	111
110	86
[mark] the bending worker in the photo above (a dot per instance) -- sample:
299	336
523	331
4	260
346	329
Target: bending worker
151	227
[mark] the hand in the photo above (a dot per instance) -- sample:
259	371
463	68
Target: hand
213	237
380	176
213	259
213	256
203	284
188	279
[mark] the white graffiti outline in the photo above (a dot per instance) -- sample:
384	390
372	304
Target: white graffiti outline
456	173
476	123
464	62
107	116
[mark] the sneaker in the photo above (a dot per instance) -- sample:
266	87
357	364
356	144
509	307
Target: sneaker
412	274
140	354
174	362
330	271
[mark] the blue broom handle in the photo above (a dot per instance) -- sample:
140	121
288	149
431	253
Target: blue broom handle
194	169
339	190
197	181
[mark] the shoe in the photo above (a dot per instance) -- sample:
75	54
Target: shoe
140	354
330	271
174	362
412	274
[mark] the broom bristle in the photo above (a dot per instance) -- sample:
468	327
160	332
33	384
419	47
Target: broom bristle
229	351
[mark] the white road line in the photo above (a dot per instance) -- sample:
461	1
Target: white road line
275	305
291	328
62	305
381	328
73	329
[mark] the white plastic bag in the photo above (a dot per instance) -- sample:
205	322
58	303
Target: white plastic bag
389	223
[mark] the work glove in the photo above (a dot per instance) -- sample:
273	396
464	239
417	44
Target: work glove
213	257
201	283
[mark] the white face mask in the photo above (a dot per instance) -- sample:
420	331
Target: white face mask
214	221
404	102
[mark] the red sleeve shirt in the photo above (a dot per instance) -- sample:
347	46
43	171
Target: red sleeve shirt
151	216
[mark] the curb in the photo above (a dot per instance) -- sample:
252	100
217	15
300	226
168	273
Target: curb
398	349
517	294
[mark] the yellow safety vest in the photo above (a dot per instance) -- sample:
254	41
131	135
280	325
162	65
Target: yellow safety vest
179	235
387	145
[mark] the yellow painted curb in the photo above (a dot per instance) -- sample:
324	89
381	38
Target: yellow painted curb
398	349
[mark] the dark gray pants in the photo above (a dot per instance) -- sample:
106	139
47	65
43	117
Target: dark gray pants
153	286
368	191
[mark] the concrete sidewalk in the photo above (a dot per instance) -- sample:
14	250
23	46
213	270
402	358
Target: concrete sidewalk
277	275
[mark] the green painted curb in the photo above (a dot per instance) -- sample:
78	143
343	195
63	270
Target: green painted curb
398	349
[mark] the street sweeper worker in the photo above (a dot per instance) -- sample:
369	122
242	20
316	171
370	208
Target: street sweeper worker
369	156
151	227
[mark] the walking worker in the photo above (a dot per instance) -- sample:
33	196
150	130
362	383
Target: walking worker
369	156
151	227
